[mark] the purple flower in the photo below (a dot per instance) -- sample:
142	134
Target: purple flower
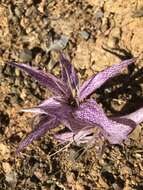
83	117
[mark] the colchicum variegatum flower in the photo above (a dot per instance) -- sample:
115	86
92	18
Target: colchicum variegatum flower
72	107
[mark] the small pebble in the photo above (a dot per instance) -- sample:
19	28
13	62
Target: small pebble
17	72
85	35
4	151
99	14
71	178
11	178
6	167
138	155
112	42
59	44
141	173
18	12
79	186
138	13
26	55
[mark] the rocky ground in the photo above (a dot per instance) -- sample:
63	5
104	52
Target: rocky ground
95	34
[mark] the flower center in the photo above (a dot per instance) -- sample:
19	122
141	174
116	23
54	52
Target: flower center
72	102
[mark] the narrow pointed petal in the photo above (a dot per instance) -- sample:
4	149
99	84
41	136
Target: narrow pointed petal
96	81
114	130
81	137
125	121
46	107
64	137
68	72
136	116
52	102
36	134
120	130
50	81
34	110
